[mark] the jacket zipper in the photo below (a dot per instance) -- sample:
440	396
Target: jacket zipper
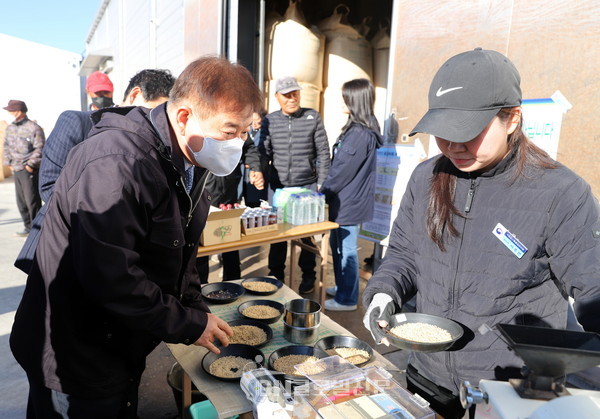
193	207
470	196
468	205
289	179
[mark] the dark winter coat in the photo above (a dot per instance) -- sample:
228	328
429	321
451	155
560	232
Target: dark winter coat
478	281
114	273
350	184
297	147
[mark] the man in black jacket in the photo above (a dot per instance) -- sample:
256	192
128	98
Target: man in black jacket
293	139
114	272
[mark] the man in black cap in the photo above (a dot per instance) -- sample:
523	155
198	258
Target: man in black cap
23	152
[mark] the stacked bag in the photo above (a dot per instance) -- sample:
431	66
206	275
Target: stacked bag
348	56
294	49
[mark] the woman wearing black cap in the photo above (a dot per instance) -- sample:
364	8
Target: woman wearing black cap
491	231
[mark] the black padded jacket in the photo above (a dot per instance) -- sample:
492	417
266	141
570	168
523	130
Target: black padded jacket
297	147
479	280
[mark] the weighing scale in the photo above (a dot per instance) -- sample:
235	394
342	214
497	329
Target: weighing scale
549	355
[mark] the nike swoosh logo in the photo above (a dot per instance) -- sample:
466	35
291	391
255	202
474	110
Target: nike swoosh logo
441	92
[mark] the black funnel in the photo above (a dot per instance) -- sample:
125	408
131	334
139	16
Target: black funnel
552	352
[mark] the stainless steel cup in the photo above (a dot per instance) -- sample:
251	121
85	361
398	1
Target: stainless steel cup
300	335
302	312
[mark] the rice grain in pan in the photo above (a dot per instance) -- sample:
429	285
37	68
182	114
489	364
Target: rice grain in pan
421	332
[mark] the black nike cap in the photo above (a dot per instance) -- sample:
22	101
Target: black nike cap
467	92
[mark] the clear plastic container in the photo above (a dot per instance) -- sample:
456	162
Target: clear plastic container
338	389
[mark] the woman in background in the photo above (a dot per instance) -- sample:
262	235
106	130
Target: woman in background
350	187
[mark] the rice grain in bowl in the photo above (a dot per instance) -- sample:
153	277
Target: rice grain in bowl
232	362
264	285
350	348
286	364
302	353
231	366
267	311
250	332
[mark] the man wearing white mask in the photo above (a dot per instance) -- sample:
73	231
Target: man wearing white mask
114	272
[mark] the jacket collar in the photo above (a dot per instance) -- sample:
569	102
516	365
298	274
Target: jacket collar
296	114
21	121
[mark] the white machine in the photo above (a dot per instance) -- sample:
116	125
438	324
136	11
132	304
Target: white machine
549	355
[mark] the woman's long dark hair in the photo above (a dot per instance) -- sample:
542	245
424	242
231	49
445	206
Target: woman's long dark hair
359	97
441	209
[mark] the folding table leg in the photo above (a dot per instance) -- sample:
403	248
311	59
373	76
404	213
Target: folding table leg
186	397
324	253
292	264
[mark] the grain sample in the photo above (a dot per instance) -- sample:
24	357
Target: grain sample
259	286
353	355
231	366
248	335
421	332
261	312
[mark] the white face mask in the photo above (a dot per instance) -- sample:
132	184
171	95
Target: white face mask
219	157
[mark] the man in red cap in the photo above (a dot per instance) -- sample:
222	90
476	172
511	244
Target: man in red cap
23	152
100	90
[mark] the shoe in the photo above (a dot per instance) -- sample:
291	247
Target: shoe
368	260
333	305
331	291
23	233
306	286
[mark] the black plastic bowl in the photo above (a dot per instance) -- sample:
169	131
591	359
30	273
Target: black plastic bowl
339	341
259	324
295	350
269	303
234	290
268	279
245	351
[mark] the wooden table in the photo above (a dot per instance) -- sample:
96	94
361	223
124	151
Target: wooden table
285	232
228	397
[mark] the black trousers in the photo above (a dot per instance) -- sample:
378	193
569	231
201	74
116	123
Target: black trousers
231	267
442	400
44	403
306	261
28	196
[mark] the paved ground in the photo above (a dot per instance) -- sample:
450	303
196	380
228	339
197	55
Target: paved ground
156	396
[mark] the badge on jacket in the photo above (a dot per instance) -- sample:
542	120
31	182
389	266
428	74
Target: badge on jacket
509	240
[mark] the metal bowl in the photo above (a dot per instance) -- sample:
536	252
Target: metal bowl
295	350
211	291
339	341
300	335
268	279
245	351
302	312
455	330
261	325
269	303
